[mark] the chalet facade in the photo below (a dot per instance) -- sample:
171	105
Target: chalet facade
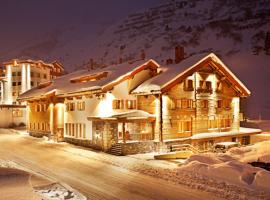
140	107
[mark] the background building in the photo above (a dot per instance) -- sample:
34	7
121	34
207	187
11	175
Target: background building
16	77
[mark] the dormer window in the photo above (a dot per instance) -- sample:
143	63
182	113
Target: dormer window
88	78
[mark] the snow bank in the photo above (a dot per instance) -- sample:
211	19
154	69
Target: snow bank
18	184
233	167
257	152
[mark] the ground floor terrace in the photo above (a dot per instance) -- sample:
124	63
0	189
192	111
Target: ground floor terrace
137	131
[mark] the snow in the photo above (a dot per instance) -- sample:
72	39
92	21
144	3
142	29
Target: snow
132	114
62	85
224	175
17	183
170	73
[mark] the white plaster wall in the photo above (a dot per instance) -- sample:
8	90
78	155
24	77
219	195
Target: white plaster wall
7	119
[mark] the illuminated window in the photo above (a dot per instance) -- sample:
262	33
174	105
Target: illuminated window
212	124
130	104
17	113
118	104
81	105
70	106
184	126
19	83
184	103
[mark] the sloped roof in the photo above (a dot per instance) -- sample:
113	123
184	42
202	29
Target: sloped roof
63	85
172	73
128	115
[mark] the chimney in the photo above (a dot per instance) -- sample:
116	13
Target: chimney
179	54
142	55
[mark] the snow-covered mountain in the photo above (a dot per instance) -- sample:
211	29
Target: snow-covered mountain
237	31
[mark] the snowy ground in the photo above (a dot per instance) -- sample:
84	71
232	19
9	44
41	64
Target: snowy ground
19	183
203	176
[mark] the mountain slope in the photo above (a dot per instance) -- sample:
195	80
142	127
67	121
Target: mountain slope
237	31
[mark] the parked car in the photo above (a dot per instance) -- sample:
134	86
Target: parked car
224	146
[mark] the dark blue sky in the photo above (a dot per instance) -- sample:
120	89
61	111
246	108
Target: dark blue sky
23	20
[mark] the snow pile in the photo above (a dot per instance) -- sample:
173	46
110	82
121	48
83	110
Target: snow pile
257	152
233	168
57	192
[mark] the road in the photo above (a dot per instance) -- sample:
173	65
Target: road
93	178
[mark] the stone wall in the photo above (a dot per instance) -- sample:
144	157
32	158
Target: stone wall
82	142
38	134
139	147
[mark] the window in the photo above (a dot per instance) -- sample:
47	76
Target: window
204	103
208	85
225	123
118	104
184	126
19	73
38	75
188	85
70	106
130	104
14	94
81	105
43	107
14	83
13	73
219	103
184	103
19	83
45	76
32	83
17	113
212	124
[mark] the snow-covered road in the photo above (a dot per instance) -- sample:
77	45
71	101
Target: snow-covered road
96	178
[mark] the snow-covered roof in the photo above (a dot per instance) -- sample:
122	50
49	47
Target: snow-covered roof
129	115
242	131
173	72
64	85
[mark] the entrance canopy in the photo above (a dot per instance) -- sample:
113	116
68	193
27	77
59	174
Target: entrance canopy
132	115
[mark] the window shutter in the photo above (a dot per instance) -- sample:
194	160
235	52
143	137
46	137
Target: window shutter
114	104
193	104
121	104
126	106
134	104
172	102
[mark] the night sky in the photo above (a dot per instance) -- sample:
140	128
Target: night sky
23	21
